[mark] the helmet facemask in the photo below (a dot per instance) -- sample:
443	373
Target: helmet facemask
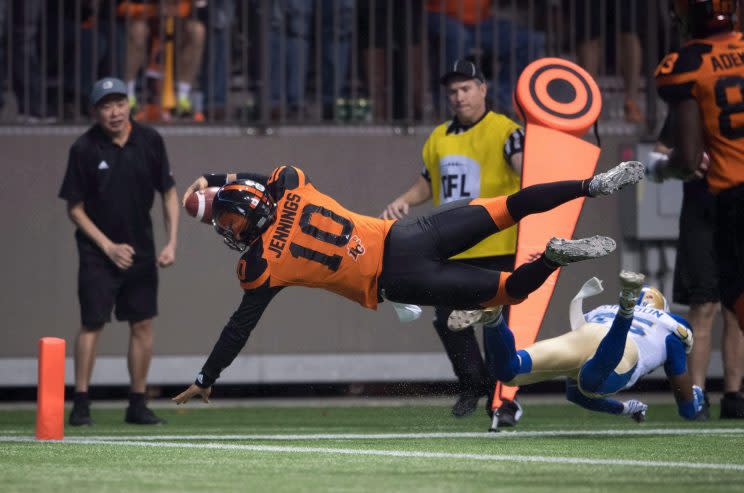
232	226
653	298
242	211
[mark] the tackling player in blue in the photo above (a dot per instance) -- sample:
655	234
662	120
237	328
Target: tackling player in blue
609	349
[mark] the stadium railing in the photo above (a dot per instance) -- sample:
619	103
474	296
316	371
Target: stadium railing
309	62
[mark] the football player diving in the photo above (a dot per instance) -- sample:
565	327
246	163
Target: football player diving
610	348
289	234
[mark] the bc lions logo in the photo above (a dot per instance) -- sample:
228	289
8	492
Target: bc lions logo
356	248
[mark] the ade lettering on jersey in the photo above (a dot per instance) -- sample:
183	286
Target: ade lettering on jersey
727	60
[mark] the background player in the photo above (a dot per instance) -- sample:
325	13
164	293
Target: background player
306	238
616	346
703	83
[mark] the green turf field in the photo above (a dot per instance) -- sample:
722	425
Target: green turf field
557	447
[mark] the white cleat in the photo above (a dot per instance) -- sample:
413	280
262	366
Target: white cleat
631	284
626	173
564	252
631	280
462	319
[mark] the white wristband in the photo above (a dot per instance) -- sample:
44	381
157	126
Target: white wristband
655	164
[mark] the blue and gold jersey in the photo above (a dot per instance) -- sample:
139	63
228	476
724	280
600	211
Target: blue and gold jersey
650	330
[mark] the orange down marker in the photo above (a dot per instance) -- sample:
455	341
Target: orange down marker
50	399
559	102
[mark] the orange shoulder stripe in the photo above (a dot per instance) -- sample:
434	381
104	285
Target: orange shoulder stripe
276	173
301	175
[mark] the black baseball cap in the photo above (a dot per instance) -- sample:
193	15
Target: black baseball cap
106	87
462	68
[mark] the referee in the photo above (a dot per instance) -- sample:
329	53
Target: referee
112	173
476	154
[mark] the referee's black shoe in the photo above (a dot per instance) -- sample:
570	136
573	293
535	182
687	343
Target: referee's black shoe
466	404
80	415
142	415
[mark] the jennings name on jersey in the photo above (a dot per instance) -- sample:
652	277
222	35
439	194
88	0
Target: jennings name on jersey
315	242
650	331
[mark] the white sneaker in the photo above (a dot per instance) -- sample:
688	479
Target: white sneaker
564	252
462	319
626	173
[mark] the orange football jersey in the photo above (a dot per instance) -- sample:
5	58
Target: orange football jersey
315	242
711	71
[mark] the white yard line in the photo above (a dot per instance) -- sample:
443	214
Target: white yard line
406	454
393	436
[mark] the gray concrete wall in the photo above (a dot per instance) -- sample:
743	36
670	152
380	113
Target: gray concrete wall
38	260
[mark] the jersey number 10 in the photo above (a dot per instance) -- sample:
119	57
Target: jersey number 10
331	261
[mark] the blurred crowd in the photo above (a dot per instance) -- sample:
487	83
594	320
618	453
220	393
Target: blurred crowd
302	60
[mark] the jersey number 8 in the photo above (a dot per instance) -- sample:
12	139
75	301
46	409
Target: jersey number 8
729	108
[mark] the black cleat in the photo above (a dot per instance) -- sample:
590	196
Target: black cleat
142	415
506	416
704	414
80	415
732	407
466	405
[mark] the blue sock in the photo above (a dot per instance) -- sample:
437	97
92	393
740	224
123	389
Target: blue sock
609	353
525	362
504	363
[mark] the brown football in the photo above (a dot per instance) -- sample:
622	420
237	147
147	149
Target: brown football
199	204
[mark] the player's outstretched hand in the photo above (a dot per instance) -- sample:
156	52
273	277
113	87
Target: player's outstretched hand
635	409
193	391
199	184
396	210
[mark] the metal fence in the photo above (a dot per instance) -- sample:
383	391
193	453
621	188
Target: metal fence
309	62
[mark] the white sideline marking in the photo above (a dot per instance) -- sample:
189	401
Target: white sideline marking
393	436
405	454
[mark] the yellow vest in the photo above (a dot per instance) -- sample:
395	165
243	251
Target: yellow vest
469	165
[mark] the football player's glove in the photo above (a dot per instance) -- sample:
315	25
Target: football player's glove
698	398
685	335
694	410
656	162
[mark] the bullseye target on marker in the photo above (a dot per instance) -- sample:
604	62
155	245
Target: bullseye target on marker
558	94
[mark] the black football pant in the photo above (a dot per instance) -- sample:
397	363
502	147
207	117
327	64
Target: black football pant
416	268
462	346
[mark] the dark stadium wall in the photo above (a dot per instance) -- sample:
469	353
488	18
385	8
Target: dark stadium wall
198	294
